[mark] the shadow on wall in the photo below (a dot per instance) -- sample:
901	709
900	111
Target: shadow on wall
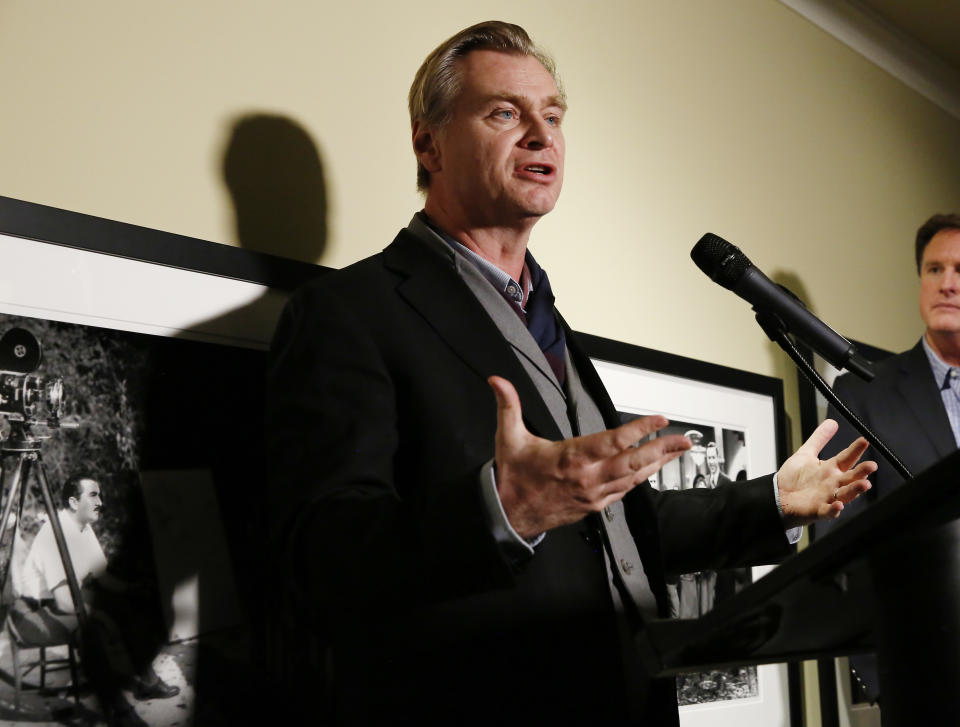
211	425
273	171
172	429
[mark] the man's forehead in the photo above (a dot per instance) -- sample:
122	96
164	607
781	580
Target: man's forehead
492	74
89	485
943	245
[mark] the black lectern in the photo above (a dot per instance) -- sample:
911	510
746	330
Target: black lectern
887	580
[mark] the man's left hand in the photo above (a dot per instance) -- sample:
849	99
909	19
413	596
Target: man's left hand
812	489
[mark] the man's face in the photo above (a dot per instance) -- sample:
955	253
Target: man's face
88	504
713	461
940	283
499	160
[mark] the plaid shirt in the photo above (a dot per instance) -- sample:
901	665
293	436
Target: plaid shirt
948	381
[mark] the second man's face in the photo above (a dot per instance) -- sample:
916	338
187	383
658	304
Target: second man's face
940	283
500	157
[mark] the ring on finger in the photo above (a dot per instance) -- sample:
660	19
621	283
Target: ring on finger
836	494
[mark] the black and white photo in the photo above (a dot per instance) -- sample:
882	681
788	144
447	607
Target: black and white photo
734	421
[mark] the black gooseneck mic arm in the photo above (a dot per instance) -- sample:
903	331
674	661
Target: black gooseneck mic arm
780	312
777	333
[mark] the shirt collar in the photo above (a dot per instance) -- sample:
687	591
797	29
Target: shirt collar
941	369
519	292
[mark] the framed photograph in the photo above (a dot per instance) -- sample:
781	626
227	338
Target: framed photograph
131	365
735	420
841	701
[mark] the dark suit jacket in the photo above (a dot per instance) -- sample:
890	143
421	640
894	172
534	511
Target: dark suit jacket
903	406
379	420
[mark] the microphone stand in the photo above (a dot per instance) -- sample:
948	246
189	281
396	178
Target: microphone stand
777	332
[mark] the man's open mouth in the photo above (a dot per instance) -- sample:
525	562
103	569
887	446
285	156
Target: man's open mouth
544	169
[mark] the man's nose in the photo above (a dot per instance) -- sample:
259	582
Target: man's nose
539	135
950	281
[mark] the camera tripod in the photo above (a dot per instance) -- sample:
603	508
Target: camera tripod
24	447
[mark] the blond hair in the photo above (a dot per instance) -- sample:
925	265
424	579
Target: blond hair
438	80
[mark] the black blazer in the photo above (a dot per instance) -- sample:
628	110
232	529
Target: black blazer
379	420
903	406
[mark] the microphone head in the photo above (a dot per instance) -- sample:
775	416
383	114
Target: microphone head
720	260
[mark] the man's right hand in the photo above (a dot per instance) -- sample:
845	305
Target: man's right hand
544	484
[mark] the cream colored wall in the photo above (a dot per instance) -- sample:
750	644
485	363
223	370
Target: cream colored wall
739	118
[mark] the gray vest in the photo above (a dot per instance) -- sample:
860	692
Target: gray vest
575	413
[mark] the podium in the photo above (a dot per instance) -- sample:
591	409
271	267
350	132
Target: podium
888	580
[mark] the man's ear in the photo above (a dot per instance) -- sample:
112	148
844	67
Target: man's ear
74	503
425	147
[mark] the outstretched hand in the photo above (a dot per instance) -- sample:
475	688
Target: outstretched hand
544	484
812	489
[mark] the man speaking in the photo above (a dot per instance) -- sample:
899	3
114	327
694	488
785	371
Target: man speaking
455	499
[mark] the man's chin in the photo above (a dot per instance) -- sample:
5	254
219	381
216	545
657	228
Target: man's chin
539	201
538	208
944	323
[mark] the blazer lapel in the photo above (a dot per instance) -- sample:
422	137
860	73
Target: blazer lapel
590	379
431	286
516	334
923	398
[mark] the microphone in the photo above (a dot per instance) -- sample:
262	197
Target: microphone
725	265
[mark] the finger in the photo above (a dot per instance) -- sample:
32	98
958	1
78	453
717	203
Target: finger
862	470
641	469
821	435
854	482
644	473
509	414
615	489
614	441
633	460
848	457
616	494
831	511
849	493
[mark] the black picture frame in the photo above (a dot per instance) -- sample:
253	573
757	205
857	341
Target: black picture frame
192	320
676	386
42	223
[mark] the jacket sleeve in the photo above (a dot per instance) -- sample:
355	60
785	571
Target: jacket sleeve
731	525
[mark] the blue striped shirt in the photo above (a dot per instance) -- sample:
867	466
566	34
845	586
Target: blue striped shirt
948	381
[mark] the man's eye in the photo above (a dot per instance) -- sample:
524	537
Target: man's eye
506	114
553	120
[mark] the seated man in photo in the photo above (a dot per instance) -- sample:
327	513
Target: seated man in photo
123	637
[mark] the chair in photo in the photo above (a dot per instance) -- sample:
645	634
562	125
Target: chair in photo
45	662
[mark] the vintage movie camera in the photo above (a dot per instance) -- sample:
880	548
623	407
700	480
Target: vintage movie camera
24	395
